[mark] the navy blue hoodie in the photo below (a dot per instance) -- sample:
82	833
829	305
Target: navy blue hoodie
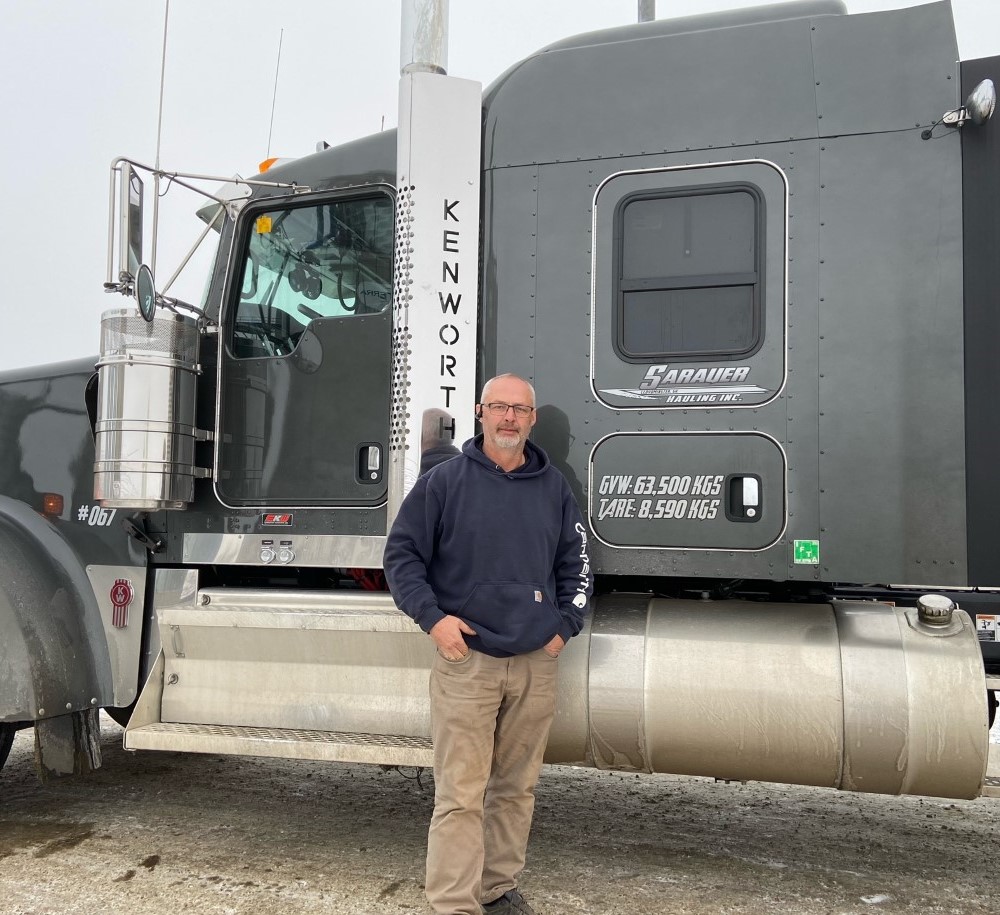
505	552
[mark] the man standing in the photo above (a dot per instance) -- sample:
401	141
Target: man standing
489	556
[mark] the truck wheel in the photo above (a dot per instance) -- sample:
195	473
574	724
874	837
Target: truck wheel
7	732
991	705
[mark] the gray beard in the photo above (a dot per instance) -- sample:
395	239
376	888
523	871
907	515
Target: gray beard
508	444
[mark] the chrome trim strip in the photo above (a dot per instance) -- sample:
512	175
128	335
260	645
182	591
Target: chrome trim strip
308	550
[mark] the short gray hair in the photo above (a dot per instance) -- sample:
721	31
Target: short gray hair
531	387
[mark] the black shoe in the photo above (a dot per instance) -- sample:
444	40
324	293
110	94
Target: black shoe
510	903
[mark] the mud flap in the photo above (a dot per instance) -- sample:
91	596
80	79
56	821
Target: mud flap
68	745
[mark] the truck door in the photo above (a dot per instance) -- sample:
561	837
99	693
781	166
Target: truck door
304	380
689	344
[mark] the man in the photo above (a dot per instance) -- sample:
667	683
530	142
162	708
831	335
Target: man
489	555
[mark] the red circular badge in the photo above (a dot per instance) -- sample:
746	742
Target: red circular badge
121	596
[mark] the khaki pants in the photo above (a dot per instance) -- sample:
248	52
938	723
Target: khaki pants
490	721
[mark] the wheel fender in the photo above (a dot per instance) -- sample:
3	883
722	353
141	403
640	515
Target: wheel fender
55	656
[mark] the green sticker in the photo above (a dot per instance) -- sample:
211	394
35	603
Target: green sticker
807	552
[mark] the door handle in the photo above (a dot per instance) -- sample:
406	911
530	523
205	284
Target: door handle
369	467
743	497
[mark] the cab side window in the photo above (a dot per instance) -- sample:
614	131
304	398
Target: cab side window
308	262
688	274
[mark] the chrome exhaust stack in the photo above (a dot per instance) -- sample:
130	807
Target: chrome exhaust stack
423	46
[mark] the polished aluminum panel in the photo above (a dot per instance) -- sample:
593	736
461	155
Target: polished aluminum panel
306	550
145	431
124	629
326	662
171	588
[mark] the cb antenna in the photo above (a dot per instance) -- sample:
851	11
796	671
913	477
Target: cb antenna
159	131
274	97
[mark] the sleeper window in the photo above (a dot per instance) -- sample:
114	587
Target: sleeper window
688	277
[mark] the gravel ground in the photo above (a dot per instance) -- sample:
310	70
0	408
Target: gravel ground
169	833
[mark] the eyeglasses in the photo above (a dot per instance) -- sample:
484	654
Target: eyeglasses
500	409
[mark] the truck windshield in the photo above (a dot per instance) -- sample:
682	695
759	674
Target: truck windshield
310	262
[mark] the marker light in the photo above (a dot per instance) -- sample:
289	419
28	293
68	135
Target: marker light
274	160
52	504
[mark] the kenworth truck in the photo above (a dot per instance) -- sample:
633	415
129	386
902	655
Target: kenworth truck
748	260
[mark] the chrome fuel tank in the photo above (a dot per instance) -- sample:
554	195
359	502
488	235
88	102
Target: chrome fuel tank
850	695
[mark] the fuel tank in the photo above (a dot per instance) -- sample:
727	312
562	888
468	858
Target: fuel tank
849	695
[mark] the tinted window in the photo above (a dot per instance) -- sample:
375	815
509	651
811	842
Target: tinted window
688	275
304	263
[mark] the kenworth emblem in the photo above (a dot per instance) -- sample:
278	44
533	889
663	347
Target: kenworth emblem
122	593
276	519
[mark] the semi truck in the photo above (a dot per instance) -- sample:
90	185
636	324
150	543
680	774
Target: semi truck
747	259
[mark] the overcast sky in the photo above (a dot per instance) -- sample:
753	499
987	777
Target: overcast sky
80	85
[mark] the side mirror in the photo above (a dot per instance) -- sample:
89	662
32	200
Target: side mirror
145	292
130	221
978	108
981	102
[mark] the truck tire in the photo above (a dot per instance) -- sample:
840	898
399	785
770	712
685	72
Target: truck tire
7	732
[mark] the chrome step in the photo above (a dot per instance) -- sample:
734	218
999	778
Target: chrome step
322	661
292	674
327	746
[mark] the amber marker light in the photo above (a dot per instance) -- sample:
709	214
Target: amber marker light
52	504
273	161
